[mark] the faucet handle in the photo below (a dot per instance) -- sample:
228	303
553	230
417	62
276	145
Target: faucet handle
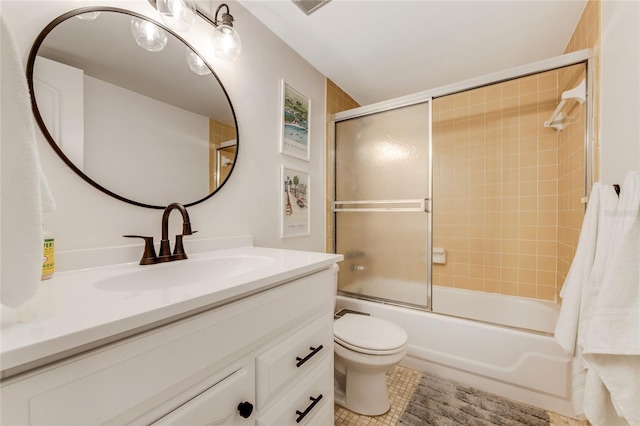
149	256
178	248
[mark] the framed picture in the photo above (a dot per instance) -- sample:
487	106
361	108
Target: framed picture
294	205
294	138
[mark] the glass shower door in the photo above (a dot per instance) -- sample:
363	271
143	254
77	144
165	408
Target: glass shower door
381	208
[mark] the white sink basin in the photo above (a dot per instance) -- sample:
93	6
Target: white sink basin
182	272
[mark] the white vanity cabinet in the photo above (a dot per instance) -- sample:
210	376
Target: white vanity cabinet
264	359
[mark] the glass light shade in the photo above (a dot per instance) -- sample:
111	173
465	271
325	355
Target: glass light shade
227	44
196	63
148	35
177	14
89	16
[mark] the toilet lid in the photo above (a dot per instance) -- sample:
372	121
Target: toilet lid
369	333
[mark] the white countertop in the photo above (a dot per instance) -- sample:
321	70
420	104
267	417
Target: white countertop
78	310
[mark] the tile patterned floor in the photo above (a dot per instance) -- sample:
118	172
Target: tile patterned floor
402	382
558	420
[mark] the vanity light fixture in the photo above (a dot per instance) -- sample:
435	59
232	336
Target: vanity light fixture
180	15
177	14
148	35
226	43
196	64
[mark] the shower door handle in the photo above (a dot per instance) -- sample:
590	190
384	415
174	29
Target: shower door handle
361	206
427	205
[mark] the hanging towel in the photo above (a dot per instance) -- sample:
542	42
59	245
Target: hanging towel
25	194
588	263
593	236
611	343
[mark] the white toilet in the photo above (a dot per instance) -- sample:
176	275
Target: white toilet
365	349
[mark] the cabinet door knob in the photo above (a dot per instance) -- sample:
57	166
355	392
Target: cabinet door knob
245	409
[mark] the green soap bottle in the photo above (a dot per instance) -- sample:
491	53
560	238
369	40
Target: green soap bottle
48	256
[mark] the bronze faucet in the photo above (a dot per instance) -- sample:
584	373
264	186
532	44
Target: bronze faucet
149	256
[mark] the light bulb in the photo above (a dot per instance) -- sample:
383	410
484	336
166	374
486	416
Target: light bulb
177	14
196	63
227	44
148	35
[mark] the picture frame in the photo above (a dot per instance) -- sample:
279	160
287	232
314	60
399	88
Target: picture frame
295	111
294	203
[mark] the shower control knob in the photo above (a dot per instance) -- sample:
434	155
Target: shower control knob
245	409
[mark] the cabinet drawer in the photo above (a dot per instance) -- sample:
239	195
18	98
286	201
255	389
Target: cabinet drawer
217	405
308	398
287	361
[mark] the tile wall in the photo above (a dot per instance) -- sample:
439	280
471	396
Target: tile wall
218	132
495	180
513	262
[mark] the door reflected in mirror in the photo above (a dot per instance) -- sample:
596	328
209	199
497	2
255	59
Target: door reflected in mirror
225	157
147	126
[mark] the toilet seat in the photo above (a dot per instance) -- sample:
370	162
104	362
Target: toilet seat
369	335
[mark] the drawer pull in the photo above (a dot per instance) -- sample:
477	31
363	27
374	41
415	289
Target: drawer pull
245	409
301	415
308	357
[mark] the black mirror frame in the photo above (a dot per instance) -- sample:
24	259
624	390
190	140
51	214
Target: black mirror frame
29	72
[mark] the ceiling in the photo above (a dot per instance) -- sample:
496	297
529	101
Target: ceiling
377	50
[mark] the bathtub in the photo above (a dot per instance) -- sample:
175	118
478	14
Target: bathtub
508	360
510	311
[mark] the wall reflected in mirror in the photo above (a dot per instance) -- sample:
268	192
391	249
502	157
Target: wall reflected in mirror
140	124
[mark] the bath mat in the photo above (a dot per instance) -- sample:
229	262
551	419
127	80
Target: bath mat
441	402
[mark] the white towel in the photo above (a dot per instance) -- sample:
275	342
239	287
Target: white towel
578	289
611	343
25	196
594	238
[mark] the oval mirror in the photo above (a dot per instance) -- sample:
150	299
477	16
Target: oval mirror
132	108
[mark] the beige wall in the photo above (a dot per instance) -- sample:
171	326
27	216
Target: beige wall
619	128
253	85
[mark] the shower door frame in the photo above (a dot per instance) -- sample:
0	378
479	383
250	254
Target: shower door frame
584	56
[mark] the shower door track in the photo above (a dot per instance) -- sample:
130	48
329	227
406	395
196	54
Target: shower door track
386	301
